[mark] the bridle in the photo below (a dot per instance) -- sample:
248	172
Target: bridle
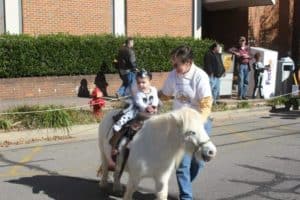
200	144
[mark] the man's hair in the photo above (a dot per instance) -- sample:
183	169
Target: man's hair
183	53
214	45
128	40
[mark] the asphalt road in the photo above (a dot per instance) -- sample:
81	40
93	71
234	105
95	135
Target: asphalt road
258	158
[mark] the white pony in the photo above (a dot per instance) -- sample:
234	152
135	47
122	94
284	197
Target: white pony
158	147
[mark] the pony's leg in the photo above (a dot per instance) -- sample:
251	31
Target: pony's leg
161	186
107	154
119	162
104	171
117	187
131	187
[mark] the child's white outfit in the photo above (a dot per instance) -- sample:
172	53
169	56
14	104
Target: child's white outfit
141	102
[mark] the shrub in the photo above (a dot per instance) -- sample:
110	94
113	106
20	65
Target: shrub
49	55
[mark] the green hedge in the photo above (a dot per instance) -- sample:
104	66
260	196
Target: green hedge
49	55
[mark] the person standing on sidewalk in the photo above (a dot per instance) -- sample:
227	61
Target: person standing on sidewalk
126	64
189	85
242	54
213	66
258	68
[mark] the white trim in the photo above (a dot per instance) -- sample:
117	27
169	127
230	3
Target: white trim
119	17
13	16
2	18
197	32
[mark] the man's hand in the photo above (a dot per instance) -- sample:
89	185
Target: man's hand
150	109
237	53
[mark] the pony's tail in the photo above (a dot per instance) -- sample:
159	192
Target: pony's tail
100	171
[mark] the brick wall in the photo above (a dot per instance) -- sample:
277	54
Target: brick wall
153	18
271	26
20	88
68	16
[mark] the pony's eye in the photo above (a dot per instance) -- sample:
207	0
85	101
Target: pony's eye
191	133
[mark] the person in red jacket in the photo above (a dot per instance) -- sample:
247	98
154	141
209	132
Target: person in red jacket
97	102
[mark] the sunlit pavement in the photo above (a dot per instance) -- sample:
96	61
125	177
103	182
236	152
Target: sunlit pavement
258	158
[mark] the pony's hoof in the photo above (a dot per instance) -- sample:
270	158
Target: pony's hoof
103	184
118	191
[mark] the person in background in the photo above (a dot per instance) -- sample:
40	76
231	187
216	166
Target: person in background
214	67
101	83
189	85
258	68
97	102
243	57
83	90
298	74
126	64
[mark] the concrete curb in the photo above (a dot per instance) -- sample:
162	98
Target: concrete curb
78	131
90	131
231	114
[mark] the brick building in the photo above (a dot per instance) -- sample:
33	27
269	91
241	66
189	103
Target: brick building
269	23
273	24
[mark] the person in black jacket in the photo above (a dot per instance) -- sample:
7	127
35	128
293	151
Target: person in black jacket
213	66
126	64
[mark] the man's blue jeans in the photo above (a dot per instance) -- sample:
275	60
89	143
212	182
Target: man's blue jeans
215	87
127	82
243	80
188	171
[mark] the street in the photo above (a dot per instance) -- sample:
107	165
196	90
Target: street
258	158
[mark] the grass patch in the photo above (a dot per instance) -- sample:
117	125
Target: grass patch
243	105
278	101
5	124
220	107
50	116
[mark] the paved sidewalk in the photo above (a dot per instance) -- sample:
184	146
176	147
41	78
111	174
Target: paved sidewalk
90	130
65	101
84	102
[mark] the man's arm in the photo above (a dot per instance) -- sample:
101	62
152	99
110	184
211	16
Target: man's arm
205	106
132	59
163	97
167	91
234	51
208	64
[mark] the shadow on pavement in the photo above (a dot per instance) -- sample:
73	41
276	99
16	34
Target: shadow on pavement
294	114
258	139
270	189
256	129
26	165
73	188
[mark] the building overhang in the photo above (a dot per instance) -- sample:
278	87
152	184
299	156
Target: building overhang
229	4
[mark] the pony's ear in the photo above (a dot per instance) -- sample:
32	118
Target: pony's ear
178	120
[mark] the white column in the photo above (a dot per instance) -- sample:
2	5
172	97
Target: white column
197	32
2	23
13	16
119	17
